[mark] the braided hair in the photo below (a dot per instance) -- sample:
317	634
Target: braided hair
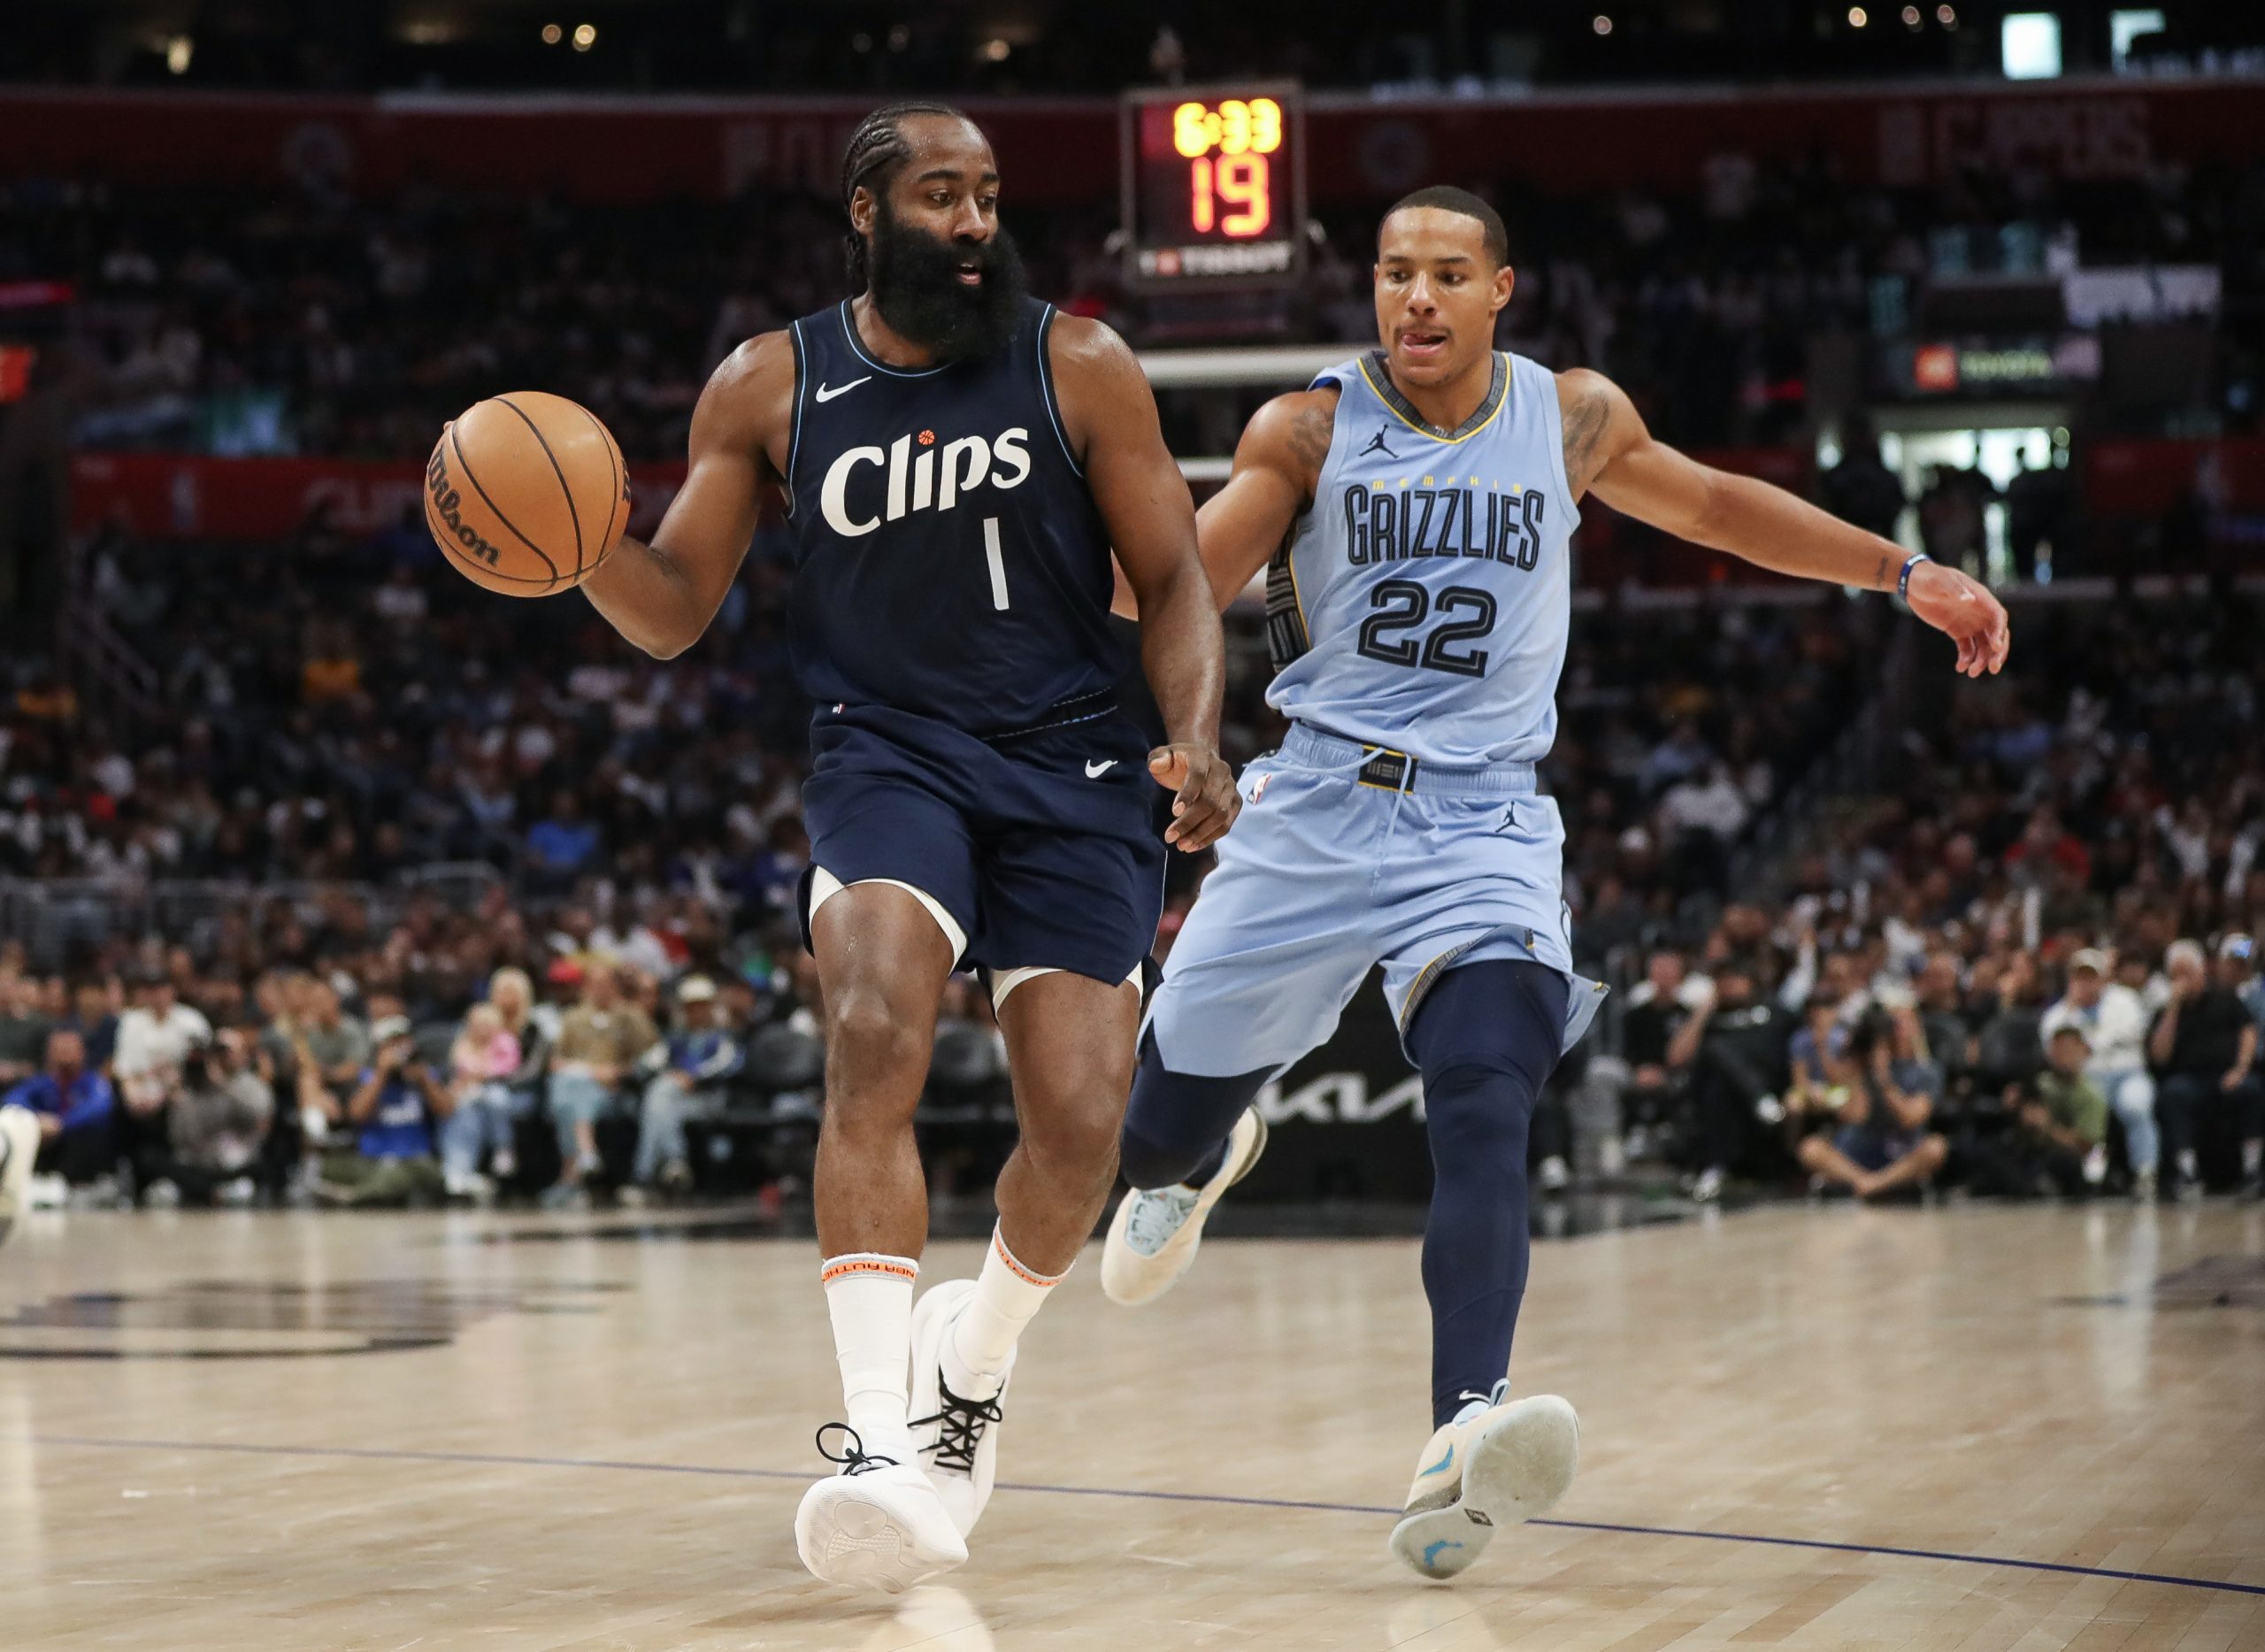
876	149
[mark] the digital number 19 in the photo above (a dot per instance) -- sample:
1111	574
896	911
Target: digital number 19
1235	180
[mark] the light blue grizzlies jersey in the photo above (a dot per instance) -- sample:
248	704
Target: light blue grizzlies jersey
1422	603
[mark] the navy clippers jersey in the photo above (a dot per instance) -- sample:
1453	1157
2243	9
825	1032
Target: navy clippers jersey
949	558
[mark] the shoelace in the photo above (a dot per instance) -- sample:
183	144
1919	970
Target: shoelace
853	1459
959	1426
1156	1216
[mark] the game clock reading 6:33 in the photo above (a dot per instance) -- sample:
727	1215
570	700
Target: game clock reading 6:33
1214	187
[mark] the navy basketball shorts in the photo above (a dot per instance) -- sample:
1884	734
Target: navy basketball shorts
1034	852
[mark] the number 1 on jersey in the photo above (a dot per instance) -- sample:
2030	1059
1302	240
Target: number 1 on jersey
998	563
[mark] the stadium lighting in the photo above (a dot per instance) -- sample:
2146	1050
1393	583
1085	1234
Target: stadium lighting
2028	44
586	35
2126	27
179	50
1601	24
899	38
1948	16
1857	17
1911	19
996	50
552	33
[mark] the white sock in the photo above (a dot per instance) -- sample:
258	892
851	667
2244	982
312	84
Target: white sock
869	1298
2252	1152
1008	1295
2186	1163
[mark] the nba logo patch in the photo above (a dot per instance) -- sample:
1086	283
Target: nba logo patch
1259	790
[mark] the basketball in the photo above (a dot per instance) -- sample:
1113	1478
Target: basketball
527	492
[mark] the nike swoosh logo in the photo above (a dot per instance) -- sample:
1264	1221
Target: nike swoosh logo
1095	770
1440	1466
827	392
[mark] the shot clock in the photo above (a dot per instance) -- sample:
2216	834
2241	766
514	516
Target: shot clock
1214	186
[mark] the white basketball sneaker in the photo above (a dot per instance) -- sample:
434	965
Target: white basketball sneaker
1152	1238
19	1147
1501	1461
958	1436
878	1525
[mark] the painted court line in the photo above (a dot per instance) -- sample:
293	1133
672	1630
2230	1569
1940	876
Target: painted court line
246	1448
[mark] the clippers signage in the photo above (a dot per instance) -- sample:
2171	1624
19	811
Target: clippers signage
1214	187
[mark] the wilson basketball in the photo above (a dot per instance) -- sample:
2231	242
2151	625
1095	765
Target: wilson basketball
527	492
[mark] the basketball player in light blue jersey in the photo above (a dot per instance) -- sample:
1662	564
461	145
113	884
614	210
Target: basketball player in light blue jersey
1413	510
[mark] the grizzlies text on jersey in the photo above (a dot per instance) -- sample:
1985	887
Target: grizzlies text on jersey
1419	609
949	559
1422	603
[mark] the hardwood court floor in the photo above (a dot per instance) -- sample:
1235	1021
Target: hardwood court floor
1803	1427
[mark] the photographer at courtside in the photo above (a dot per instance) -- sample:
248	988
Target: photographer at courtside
392	1117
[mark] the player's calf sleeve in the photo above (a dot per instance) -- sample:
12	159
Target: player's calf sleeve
1486	1037
1175	1125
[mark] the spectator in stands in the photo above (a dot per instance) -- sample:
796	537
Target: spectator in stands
687	1078
390	1117
94	1017
2044	846
599	1044
1942	1019
1912	1065
2205	1046
215	1125
512	993
154	1042
1821	1042
340	1043
1860	489
154	1038
1657	1008
1878	1141
482	1061
2040	515
2068	1116
562	844
1733	1046
23	1026
2006	1046
2114	1023
77	1118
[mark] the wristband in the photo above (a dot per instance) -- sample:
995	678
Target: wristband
1903	580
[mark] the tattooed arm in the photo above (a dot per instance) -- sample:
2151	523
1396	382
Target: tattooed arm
1277	465
1608	452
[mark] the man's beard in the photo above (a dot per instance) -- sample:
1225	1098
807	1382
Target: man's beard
914	279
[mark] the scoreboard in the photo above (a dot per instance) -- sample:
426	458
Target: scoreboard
1214	186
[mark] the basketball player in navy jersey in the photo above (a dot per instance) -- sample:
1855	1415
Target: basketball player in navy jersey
955	460
1414	509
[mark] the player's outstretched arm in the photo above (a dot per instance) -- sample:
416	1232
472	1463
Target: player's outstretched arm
662	595
1608	452
1277	463
1110	415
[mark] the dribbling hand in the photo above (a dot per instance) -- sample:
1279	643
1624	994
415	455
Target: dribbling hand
1962	609
1207	804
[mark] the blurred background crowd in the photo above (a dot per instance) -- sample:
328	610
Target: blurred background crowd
324	876
247	930
354	318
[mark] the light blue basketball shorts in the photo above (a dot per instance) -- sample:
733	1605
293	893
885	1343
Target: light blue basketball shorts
1339	864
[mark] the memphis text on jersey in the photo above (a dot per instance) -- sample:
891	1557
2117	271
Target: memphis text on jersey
903	482
1396	524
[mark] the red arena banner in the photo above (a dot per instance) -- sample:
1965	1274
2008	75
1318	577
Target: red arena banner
171	495
1063	151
